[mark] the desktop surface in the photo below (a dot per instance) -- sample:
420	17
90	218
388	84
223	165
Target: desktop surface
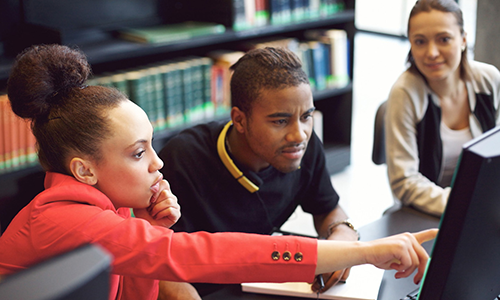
402	220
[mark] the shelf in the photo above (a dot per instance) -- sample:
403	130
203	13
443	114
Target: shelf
113	49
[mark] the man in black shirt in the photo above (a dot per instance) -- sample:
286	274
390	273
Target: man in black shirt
251	173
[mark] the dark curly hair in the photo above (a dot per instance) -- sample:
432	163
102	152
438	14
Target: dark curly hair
47	86
266	68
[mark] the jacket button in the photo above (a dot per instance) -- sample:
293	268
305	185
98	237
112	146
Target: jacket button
275	255
287	255
298	256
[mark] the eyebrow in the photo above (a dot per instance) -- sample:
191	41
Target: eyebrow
286	115
142	141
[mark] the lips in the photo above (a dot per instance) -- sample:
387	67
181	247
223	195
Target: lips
155	188
293	152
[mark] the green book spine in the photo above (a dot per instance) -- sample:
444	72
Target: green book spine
136	83
209	109
187	90
198	109
119	81
175	108
156	98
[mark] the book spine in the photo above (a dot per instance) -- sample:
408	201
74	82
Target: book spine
240	19
250	13
261	13
158	101
209	109
339	57
218	89
119	81
136	84
187	90
11	132
175	108
3	125
198	108
22	138
31	154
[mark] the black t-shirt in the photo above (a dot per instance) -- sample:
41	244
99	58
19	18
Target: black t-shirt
212	200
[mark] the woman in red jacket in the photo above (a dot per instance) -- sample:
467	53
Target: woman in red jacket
96	146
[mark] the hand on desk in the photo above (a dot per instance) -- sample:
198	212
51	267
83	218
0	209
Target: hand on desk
402	253
164	209
341	233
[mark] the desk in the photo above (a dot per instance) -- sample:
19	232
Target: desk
405	219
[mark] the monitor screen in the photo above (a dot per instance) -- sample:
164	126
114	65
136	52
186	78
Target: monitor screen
465	261
82	273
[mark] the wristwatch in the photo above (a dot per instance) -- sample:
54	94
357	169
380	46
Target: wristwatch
345	222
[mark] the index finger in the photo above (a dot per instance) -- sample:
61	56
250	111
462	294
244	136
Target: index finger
426	235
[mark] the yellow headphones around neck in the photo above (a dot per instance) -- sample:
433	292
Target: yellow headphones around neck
228	162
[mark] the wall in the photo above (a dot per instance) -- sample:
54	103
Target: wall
487	46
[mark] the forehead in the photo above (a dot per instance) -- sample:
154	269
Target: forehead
288	99
434	21
129	122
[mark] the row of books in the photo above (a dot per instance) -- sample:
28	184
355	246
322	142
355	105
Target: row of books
173	93
254	13
324	55
189	90
247	14
17	143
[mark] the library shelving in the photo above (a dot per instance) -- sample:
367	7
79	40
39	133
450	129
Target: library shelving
107	53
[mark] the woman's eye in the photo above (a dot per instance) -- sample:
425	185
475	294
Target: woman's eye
140	154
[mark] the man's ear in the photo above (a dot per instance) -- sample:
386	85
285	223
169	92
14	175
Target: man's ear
239	119
82	170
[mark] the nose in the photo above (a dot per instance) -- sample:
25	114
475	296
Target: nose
432	50
298	132
156	163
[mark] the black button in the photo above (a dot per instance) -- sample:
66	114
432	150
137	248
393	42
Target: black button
275	255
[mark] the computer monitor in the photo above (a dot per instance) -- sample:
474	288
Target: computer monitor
82	273
465	260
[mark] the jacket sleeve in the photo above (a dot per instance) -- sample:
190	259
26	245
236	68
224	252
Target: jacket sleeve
407	183
142	250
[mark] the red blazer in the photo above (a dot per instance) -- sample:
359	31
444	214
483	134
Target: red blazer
69	214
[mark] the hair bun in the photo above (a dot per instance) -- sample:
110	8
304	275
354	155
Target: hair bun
42	75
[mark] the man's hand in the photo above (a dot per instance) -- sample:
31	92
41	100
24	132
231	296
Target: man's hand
164	211
177	291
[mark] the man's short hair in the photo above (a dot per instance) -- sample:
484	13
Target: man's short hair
261	69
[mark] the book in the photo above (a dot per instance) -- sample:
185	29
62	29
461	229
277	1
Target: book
363	284
171	32
3	101
223	60
209	108
336	42
261	13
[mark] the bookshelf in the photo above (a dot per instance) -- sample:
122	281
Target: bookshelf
108	53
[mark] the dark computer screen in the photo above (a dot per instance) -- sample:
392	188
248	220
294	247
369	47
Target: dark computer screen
465	261
82	273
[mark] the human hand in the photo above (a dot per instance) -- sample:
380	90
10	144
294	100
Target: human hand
164	209
177	291
403	253
332	279
342	233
